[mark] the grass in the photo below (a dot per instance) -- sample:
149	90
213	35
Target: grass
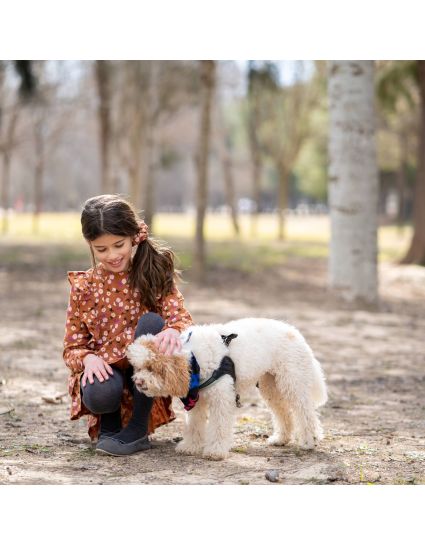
306	236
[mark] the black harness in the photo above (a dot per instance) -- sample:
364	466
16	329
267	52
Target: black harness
226	367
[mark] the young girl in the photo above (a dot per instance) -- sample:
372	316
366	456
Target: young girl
120	298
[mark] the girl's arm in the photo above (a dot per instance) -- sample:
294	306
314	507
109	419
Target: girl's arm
77	337
173	311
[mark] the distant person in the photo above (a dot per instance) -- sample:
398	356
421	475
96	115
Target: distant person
130	291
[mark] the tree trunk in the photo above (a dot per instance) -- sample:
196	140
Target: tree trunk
402	183
207	69
7	152
229	188
135	169
353	180
283	192
103	81
151	144
38	176
38	194
256	165
5	192
416	251
225	156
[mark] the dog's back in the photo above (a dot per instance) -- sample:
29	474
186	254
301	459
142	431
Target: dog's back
263	345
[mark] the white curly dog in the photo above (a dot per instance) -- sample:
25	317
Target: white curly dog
268	353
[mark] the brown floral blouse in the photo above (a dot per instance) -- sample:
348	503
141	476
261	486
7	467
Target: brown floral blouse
101	319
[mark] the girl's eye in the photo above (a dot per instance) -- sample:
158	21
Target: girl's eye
116	246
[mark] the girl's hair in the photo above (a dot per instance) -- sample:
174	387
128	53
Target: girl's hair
152	270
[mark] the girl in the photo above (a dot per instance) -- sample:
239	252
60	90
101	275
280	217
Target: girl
130	291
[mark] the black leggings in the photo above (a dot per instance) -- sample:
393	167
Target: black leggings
105	397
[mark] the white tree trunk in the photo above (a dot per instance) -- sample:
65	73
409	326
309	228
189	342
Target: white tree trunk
353	180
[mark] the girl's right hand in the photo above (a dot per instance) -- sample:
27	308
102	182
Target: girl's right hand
95	366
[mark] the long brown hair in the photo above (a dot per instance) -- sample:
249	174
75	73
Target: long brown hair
152	270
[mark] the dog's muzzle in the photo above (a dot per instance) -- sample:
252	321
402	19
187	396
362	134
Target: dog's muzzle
140	385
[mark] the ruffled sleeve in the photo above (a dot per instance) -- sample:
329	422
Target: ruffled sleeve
77	340
173	311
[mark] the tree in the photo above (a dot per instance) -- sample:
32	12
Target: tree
9	115
416	252
207	75
147	93
103	77
285	128
398	100
262	80
353	180
223	145
396	82
47	118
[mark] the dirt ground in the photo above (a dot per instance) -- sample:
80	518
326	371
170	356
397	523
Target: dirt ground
373	359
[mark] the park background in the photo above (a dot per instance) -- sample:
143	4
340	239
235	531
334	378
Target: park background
288	189
164	30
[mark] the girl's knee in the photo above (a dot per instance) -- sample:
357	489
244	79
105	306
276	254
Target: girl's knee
149	323
103	397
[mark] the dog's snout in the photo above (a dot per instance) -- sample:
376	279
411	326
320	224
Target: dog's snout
140	384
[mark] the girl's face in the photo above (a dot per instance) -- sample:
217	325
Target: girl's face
114	252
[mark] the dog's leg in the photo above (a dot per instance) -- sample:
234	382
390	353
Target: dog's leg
279	408
222	408
194	431
308	430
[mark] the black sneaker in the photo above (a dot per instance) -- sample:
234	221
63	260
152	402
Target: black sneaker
104	434
116	447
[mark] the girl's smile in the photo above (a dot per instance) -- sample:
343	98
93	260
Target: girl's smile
114	252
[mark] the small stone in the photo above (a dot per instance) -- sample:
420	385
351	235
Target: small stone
272	475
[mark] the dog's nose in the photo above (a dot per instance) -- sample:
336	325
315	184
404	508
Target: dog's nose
140	384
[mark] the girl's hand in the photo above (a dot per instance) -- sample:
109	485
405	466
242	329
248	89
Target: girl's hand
168	341
95	366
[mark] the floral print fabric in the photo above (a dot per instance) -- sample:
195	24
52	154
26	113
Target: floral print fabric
102	317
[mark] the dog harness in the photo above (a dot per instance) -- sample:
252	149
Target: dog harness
227	367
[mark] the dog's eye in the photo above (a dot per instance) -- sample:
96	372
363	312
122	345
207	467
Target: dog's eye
149	368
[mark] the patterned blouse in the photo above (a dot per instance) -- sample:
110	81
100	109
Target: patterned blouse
101	319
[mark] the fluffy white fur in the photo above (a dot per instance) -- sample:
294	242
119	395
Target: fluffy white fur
268	352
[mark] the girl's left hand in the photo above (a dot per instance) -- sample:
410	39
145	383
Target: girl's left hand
168	341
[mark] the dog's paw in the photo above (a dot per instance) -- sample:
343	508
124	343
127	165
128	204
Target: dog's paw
307	442
278	440
216	455
188	448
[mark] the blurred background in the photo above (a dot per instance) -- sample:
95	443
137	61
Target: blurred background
292	190
240	147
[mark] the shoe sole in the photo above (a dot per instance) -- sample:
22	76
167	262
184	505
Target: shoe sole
105	452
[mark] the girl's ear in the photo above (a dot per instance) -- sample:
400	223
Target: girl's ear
227	339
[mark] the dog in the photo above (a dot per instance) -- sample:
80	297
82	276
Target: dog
269	354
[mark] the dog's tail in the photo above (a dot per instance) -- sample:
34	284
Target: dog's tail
320	394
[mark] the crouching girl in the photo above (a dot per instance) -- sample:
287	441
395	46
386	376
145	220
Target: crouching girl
129	291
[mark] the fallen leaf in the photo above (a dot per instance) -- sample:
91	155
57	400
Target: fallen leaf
54	400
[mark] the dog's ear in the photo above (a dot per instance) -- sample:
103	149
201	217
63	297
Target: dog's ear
227	339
